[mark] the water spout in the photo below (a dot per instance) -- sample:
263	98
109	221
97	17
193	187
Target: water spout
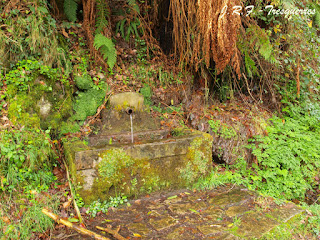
129	111
131	128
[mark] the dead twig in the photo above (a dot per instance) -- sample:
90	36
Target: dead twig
72	193
114	233
79	229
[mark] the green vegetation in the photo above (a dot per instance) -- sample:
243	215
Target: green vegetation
52	80
88	100
221	129
31	221
98	206
287	158
112	163
32	33
106	47
146	91
23	148
305	225
70	9
36	97
26	158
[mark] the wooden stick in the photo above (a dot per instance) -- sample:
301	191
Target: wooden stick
72	194
79	229
115	233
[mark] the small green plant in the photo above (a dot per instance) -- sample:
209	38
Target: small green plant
20	78
98	206
128	27
222	129
142	50
288	156
146	91
25	146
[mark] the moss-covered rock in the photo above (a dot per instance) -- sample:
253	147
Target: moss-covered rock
136	169
36	97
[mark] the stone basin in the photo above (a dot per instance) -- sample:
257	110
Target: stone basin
111	165
134	169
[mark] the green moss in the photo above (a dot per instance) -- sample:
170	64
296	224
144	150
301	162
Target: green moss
87	103
132	172
69	127
84	82
18	112
71	146
199	159
113	164
28	91
178	132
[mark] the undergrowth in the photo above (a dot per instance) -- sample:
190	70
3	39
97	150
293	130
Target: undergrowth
21	217
287	157
26	161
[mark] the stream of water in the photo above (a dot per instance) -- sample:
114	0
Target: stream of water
131	128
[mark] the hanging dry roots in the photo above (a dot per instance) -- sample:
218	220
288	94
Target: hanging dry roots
205	30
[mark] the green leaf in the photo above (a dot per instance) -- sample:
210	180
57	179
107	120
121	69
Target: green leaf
172	197
43	10
134	5
192	210
73	220
70	9
107	48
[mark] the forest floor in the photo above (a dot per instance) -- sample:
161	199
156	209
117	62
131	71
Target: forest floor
226	212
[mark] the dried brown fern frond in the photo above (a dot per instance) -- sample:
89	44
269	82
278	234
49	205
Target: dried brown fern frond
219	24
205	30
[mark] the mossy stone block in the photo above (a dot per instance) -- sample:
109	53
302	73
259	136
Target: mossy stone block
132	170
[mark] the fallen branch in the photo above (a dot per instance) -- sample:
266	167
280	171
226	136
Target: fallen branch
79	229
115	233
72	194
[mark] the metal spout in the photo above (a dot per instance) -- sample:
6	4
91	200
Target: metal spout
129	111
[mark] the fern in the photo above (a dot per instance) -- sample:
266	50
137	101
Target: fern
289	4
250	65
316	17
70	9
131	28
107	49
134	6
262	42
101	18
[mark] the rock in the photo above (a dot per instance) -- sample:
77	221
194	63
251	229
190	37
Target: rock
122	101
45	107
139	168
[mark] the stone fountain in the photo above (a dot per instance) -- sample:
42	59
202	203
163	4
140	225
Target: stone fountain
131	154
